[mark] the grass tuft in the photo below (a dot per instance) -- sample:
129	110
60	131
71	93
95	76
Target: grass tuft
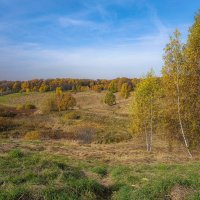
16	153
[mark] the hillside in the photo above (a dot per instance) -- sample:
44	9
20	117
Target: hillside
90	156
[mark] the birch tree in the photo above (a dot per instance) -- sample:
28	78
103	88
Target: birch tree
192	82
144	108
173	79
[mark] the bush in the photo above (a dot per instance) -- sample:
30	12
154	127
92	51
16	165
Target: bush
85	135
125	90
58	103
32	135
72	115
66	102
49	105
110	99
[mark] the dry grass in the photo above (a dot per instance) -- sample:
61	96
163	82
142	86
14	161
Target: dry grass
98	123
179	192
128	153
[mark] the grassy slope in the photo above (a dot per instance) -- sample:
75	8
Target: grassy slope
29	171
62	169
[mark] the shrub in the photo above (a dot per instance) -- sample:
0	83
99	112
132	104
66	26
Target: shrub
32	135
58	103
85	135
125	90
110	99
72	115
49	105
67	101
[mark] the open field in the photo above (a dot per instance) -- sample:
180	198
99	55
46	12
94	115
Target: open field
92	156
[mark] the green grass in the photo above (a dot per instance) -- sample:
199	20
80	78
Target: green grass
100	170
41	176
150	182
44	176
5	98
17	99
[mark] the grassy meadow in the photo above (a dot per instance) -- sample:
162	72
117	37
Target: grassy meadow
87	153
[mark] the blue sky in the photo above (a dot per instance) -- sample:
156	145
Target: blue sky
88	38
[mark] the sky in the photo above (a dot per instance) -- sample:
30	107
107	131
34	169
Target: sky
94	39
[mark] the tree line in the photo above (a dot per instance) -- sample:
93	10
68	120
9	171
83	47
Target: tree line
172	103
75	85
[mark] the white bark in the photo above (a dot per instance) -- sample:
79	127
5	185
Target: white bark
151	125
179	112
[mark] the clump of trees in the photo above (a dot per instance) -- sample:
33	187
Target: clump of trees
173	100
59	102
110	99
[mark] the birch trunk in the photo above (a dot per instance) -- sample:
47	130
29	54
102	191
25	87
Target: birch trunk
179	112
151	125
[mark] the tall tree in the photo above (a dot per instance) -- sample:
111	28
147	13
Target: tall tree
173	78
192	82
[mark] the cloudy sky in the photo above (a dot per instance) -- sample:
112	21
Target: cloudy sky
88	38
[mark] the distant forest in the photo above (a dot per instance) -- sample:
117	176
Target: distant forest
76	85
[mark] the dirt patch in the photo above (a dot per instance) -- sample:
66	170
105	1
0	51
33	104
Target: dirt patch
179	192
